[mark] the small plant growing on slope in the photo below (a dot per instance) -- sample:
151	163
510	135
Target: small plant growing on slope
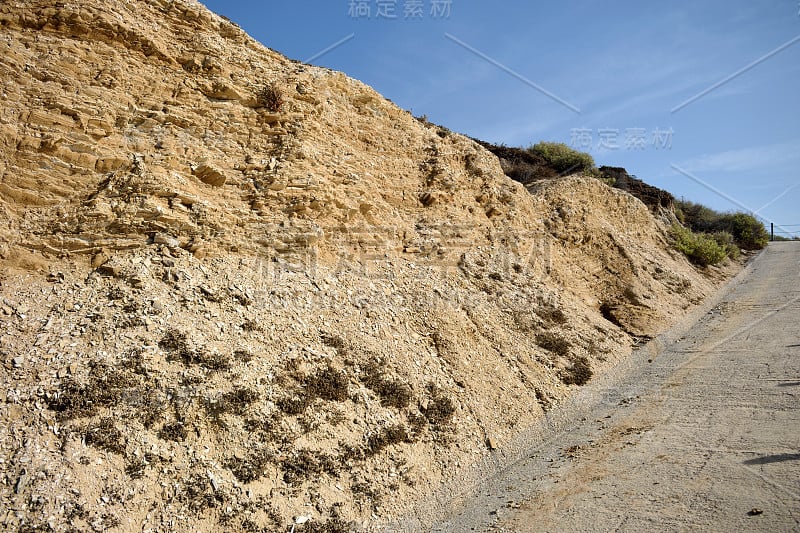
700	248
579	373
554	343
271	97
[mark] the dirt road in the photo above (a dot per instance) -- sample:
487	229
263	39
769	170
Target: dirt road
703	434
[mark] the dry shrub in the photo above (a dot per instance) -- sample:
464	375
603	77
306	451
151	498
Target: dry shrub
440	409
177	347
195	493
334	525
174	431
542	398
328	384
337	343
105	388
238	400
551	314
136	466
235	402
73	400
174	341
250	468
306	464
387	436
269	428
392	392
106	436
294	404
243	355
271	97
364	493
579	373
553	343
251	325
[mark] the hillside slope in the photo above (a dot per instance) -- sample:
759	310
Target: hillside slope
216	316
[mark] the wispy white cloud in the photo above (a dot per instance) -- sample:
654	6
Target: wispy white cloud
527	128
747	159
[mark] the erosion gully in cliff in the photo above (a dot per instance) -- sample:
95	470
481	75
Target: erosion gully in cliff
221	316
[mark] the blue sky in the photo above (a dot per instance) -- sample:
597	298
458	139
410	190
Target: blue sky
606	77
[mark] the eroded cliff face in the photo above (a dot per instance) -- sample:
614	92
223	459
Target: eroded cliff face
127	119
220	316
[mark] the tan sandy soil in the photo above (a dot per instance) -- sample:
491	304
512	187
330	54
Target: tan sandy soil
220	316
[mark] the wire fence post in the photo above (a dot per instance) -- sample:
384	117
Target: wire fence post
771	231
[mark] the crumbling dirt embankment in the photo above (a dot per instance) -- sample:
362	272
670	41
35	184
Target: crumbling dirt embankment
219	315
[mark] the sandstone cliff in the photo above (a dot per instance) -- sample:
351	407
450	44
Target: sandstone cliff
218	315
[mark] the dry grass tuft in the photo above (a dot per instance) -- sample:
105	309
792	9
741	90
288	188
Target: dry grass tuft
392	392
250	468
579	373
106	436
440	409
388	436
553	343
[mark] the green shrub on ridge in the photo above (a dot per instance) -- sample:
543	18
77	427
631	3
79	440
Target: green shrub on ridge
700	248
563	158
746	230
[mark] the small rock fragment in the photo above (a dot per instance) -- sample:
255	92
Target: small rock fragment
214	482
109	270
427	199
209	175
99	260
22	481
57	277
220	90
167	240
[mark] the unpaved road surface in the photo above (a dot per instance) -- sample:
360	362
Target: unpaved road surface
702	435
